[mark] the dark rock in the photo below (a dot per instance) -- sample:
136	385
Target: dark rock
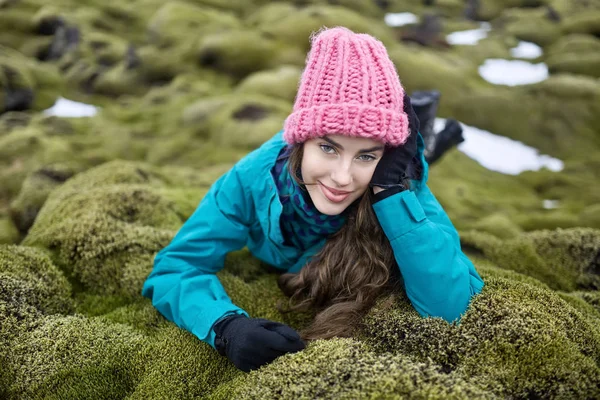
471	9
552	14
48	26
427	33
132	60
383	4
12	120
251	112
65	39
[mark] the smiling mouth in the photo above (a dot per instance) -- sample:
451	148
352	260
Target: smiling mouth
333	195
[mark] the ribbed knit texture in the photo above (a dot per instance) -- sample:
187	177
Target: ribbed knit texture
349	87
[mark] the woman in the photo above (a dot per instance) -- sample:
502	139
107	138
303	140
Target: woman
337	200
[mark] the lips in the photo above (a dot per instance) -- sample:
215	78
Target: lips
335	196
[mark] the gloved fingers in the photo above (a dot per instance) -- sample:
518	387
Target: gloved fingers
275	342
283	329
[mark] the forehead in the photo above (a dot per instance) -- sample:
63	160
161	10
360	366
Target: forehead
352	142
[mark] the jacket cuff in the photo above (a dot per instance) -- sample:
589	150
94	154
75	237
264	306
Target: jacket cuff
202	320
399	214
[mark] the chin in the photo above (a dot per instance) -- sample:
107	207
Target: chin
330	209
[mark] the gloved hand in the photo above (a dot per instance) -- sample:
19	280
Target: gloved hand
252	342
391	169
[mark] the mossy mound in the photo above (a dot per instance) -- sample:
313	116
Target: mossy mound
34	191
532	25
516	340
103	227
587	21
9	234
281	83
564	259
294	25
25	84
51	290
180	366
75	357
576	54
346	368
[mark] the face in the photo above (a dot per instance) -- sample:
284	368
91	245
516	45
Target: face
338	169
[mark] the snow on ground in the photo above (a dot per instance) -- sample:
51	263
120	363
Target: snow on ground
470	37
512	72
526	50
499	153
400	19
71	109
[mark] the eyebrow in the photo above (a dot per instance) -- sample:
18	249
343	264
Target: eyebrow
370	149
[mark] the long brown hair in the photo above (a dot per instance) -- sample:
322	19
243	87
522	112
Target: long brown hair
344	279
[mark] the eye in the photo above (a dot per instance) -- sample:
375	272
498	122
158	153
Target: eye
367	158
327	149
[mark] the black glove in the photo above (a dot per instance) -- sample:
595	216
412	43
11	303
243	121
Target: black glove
391	169
250	343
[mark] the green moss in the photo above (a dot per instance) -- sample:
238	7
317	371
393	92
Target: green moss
9	234
34	191
557	116
294	25
238	52
140	315
561	258
498	225
181	366
51	291
281	83
583	22
105	234
345	368
530	24
70	357
516	340
173	22
576	54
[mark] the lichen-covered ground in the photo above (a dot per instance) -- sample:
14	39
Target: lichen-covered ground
188	87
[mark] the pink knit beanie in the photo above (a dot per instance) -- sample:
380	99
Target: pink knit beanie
349	87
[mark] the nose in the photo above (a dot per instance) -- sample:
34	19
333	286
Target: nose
342	174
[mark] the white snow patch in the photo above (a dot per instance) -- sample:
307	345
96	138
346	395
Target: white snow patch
400	19
512	72
71	109
499	153
550	204
526	50
469	37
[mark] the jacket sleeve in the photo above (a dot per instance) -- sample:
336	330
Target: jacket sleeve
182	285
439	278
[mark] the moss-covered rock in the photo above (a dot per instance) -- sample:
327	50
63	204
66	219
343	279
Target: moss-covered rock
34	191
346	368
179	23
564	259
9	234
25	84
281	83
104	226
181	366
51	290
587	21
294	25
531	24
241	52
517	340
73	356
576	54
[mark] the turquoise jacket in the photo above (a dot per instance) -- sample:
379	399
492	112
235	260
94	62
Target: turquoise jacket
242	208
